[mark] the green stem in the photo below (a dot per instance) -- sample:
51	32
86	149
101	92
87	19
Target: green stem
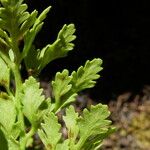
18	84
27	137
18	81
15	49
24	137
80	143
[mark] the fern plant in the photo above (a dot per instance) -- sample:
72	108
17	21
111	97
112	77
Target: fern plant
24	110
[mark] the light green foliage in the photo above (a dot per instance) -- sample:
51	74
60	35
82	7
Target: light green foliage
85	76
65	87
62	90
13	145
38	59
95	123
24	110
62	146
87	131
31	33
60	47
32	100
50	131
84	132
71	124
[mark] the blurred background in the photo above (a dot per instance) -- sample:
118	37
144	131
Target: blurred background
116	32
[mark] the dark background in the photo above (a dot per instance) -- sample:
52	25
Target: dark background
117	32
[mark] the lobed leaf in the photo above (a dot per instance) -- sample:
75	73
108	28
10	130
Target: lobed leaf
19	24
30	34
61	90
49	134
85	76
33	100
71	124
12	15
61	84
95	123
96	141
58	49
28	22
65	87
10	18
87	131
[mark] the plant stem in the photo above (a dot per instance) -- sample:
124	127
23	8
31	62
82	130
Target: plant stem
15	49
18	87
27	137
18	84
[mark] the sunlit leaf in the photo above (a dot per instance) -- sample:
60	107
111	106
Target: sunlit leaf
49	133
86	75
33	100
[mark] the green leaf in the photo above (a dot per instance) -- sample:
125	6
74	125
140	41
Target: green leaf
19	24
16	129
61	84
96	140
7	121
4	74
49	134
95	123
22	8
63	146
28	22
71	124
42	16
85	76
61	90
87	131
30	35
10	17
32	101
13	16
13	144
60	47
65	87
